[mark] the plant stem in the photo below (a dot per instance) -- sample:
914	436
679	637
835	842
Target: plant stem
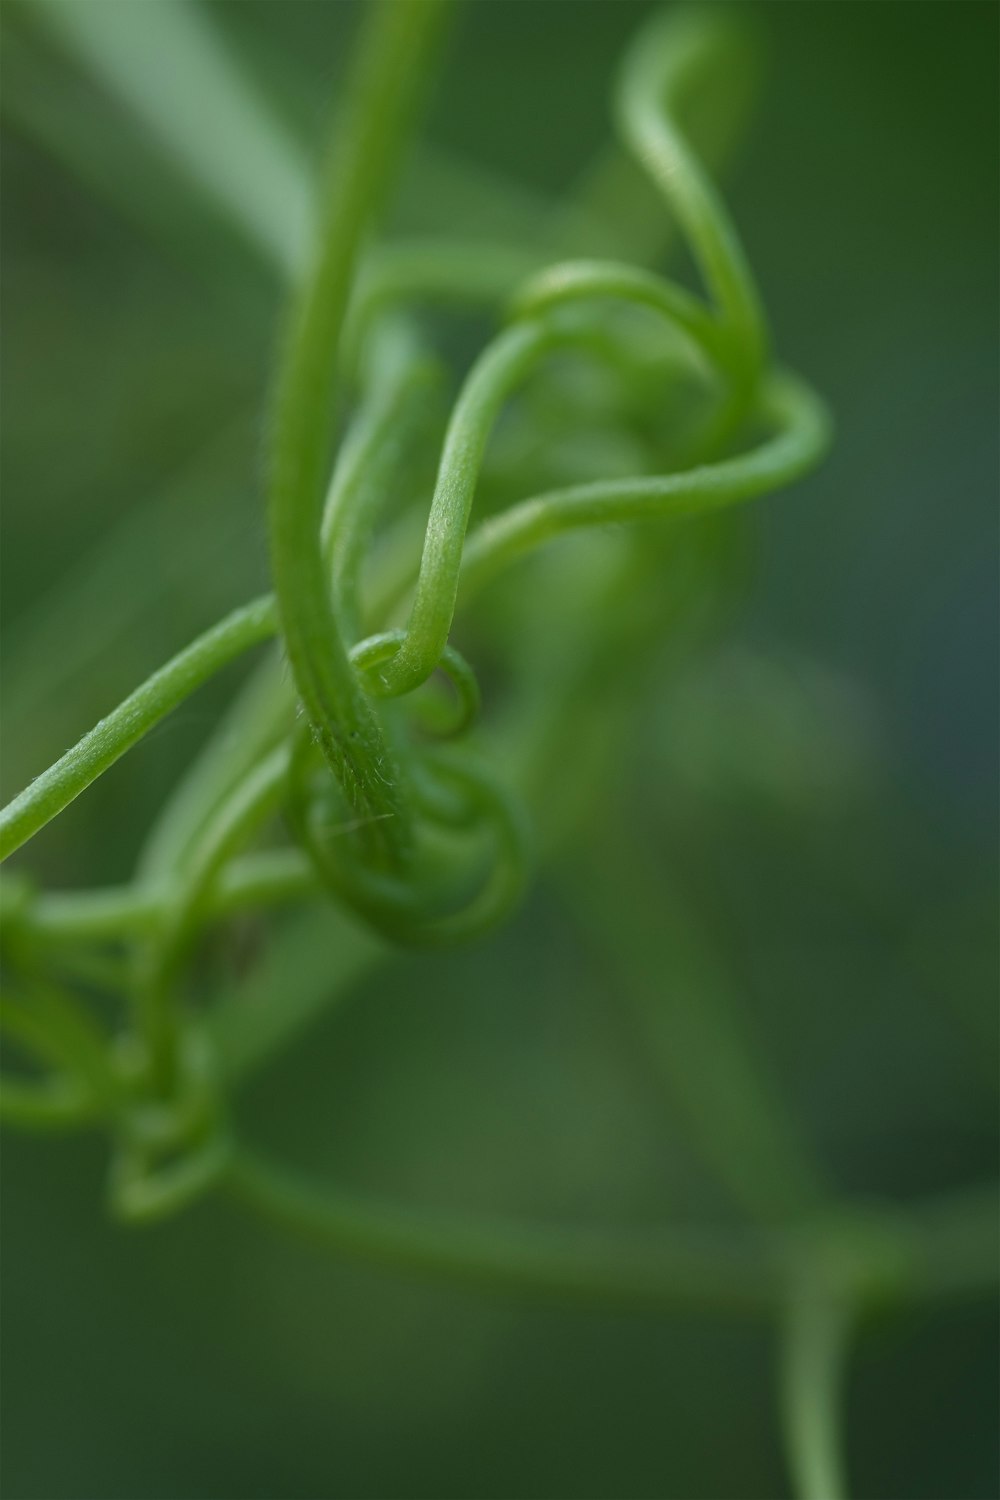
371	460
499	369
802	437
56	788
678	1267
268	878
389	67
584	280
257	719
658	69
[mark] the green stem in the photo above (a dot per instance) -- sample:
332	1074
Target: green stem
257	719
371	461
502	366
269	878
56	788
674	1269
451	273
389	67
667	1270
584	280
660	67
802	437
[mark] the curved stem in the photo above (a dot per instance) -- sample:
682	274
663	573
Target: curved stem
268	878
660	66
56	788
452	273
676	1267
501	367
665	1270
802	437
577	280
504	365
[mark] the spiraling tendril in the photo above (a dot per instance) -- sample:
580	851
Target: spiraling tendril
425	841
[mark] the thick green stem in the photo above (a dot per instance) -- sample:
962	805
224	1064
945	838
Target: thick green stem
802	438
389	68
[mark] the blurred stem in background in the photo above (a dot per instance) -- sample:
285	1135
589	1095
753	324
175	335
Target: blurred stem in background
689	1014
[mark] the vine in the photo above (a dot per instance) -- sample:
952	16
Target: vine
394	810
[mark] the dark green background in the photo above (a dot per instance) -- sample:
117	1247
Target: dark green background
210	1358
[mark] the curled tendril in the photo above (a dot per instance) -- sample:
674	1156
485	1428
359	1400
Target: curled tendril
427	842
371	654
169	1152
424	841
446	897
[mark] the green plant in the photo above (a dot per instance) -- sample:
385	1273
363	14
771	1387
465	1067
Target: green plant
426	841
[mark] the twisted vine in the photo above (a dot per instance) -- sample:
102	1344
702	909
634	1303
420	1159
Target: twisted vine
424	840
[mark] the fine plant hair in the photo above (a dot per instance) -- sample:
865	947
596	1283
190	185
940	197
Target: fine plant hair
352	766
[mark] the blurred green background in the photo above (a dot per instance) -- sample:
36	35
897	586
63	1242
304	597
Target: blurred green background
820	778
